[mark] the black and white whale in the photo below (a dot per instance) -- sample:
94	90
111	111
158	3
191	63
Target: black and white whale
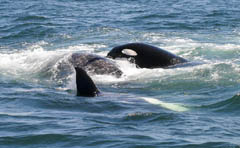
100	65
143	55
146	56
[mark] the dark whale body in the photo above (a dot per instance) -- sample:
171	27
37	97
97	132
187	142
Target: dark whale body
94	64
146	56
85	85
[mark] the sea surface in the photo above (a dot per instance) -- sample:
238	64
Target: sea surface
189	107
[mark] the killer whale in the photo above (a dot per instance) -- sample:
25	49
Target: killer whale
87	88
146	56
143	55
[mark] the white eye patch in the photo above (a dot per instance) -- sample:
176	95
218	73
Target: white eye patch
129	52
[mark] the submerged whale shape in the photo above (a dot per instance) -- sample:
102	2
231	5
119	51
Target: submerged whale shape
95	64
146	56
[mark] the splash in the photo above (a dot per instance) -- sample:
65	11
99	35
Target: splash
37	60
24	64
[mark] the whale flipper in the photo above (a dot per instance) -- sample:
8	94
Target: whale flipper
85	85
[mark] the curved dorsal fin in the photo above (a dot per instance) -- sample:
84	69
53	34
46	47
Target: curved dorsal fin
85	85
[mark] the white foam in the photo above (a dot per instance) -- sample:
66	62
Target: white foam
130	73
177	44
36	57
84	48
29	89
28	61
72	82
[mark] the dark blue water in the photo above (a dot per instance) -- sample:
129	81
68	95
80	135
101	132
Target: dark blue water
196	106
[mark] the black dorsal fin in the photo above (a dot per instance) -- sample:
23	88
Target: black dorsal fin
85	85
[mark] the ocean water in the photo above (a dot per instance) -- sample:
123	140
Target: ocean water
190	107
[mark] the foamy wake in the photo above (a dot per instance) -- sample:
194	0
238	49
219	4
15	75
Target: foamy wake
36	59
21	64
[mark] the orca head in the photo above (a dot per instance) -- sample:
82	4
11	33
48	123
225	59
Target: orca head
122	52
85	85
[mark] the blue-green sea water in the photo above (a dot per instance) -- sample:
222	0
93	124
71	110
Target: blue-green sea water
189	107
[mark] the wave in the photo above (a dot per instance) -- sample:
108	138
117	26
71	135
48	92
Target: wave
216	144
27	31
231	105
31	18
103	137
22	141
